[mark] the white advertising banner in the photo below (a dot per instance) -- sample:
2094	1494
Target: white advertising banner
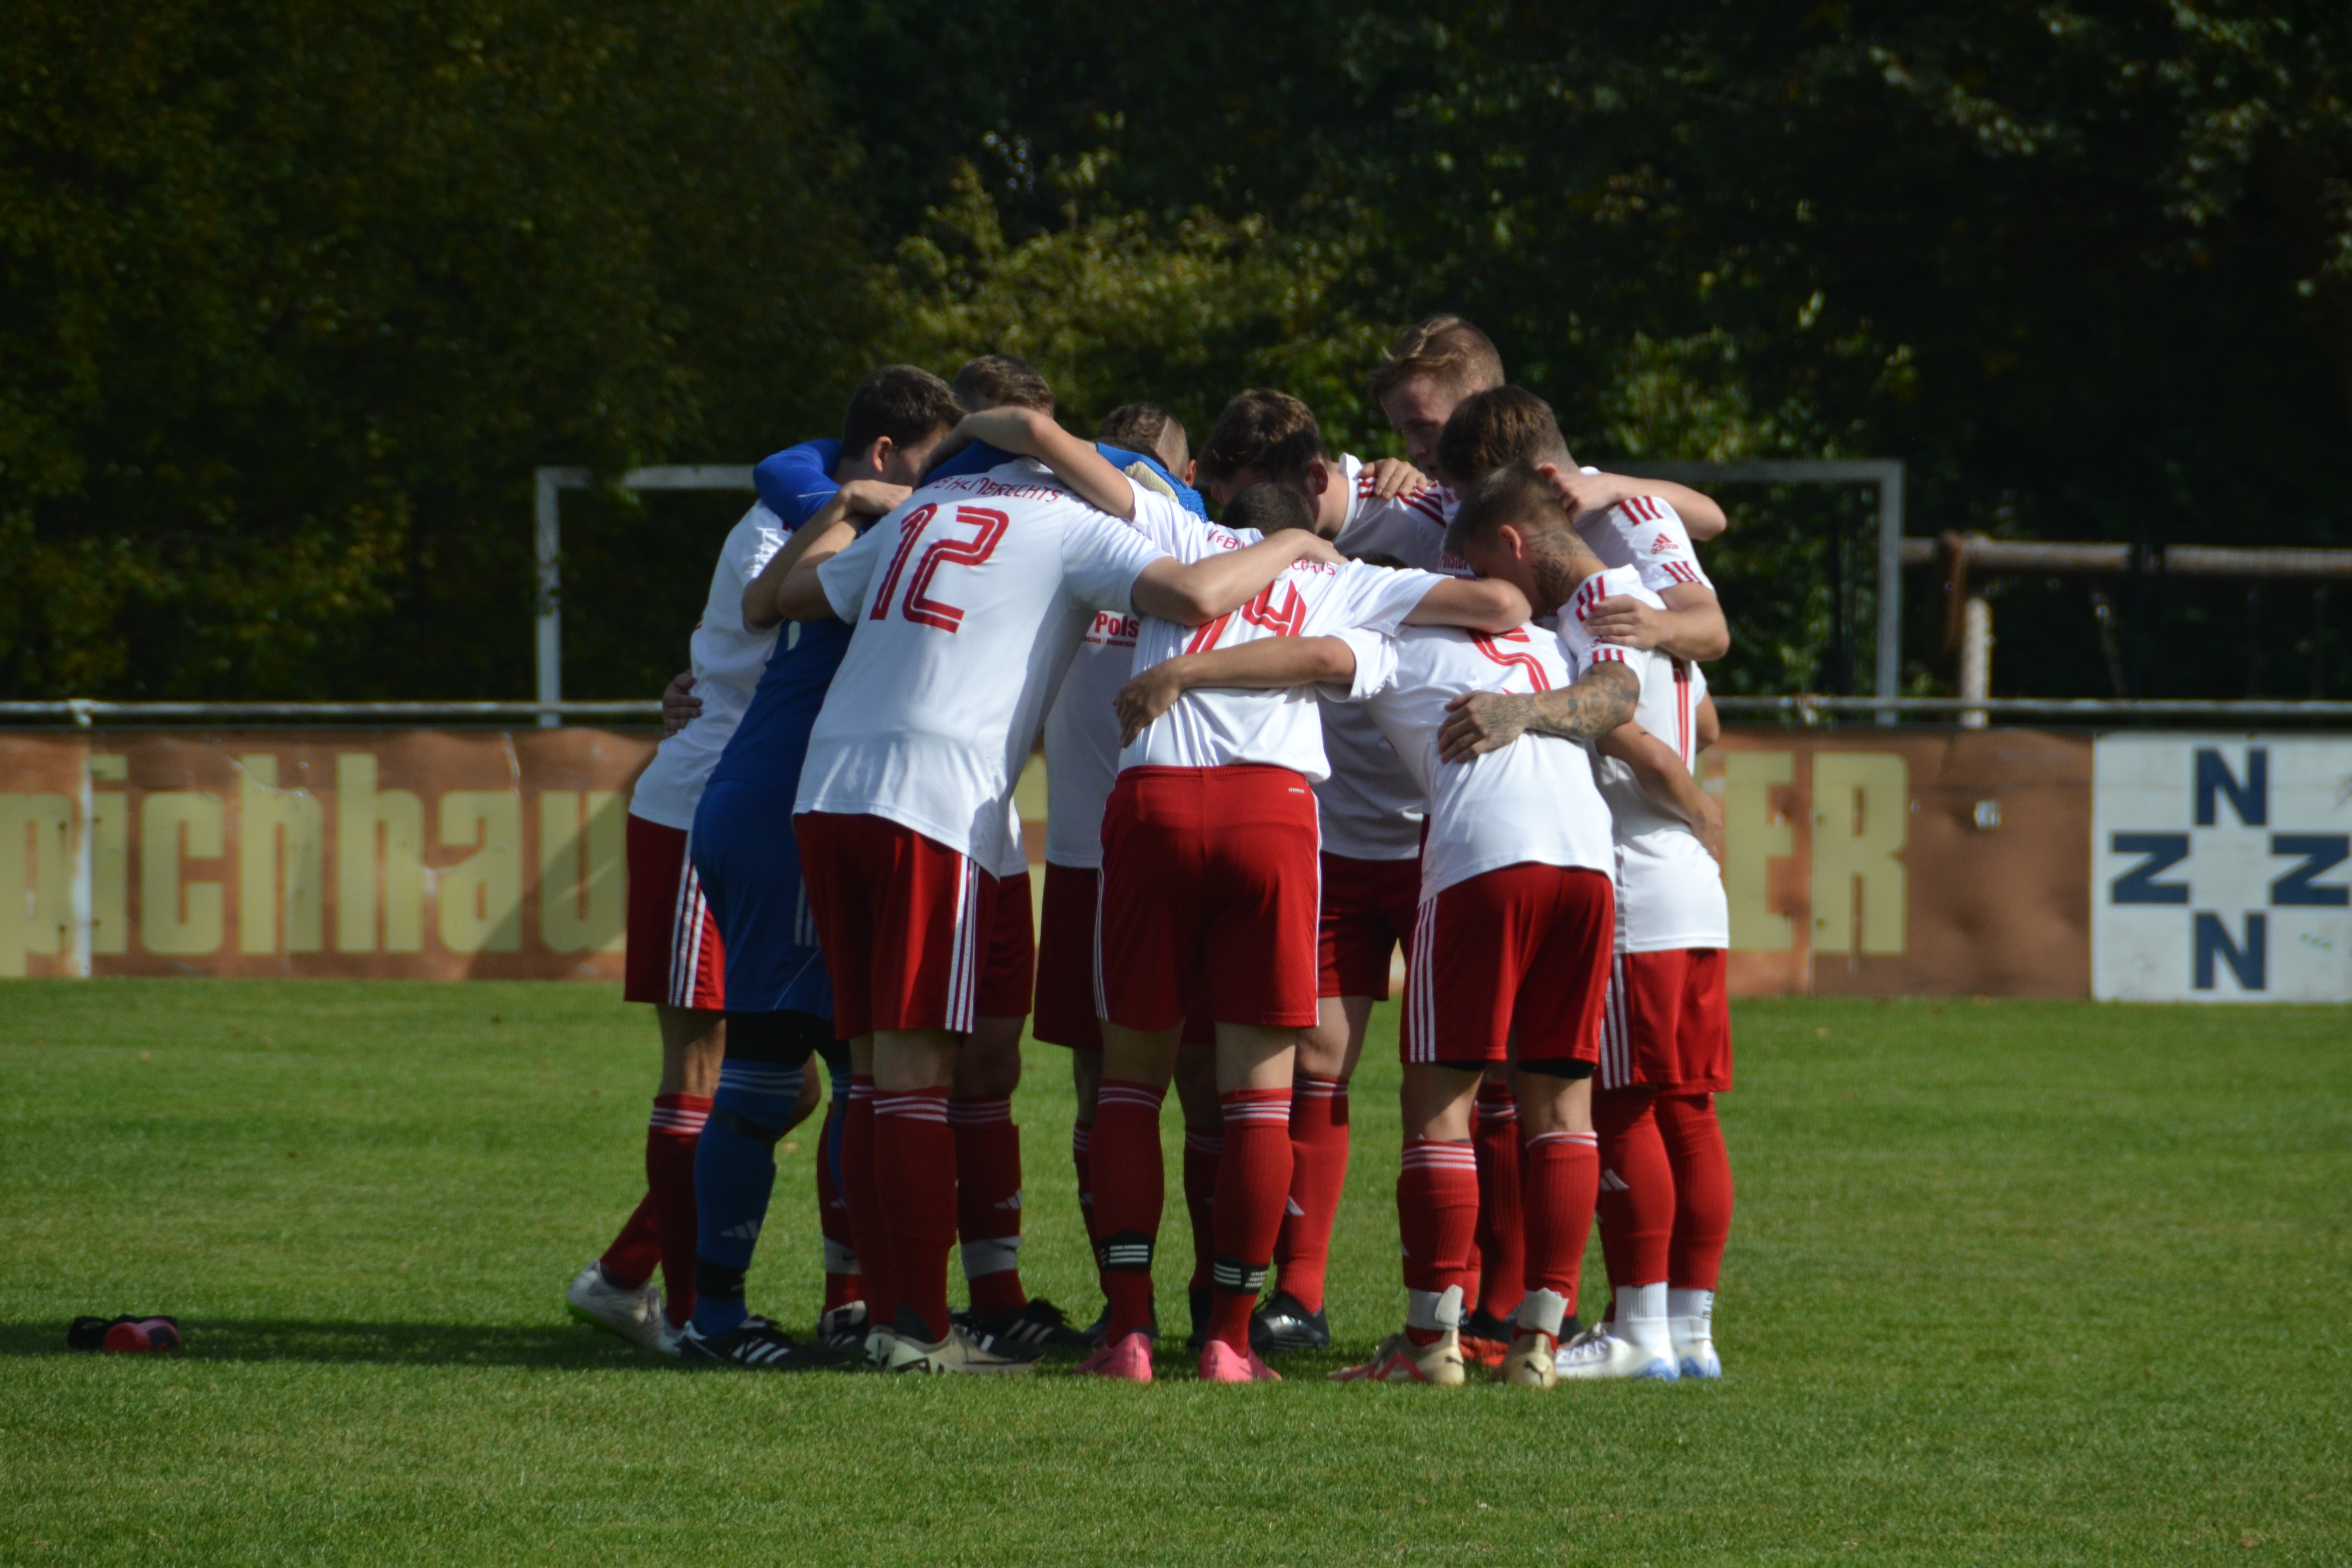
2219	869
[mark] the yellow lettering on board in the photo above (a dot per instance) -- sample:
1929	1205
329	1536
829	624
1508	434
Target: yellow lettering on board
1752	839
582	907
178	919
481	896
365	815
36	839
276	830
1861	820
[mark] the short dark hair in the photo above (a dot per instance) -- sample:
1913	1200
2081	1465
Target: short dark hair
1489	429
903	402
1269	509
1143	428
1446	349
1000	381
1269	431
1514	493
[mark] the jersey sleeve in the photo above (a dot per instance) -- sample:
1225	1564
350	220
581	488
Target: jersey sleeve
1658	542
798	480
1102	556
1374	597
1578	645
754	541
1376	664
845	577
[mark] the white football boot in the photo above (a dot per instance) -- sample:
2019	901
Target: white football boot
1691	1317
961	1351
1597	1354
631	1315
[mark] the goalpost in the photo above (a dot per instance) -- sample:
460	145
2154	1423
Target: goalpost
548	541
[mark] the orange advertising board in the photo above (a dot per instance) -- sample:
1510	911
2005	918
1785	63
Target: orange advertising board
1858	860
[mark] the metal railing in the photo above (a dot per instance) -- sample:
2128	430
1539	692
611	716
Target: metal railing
1811	707
86	711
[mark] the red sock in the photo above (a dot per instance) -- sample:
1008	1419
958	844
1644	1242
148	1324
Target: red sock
1559	1177
666	1211
635	1253
843	1282
1694	1141
1494	1133
1253	1187
1203	1148
1130	1188
988	1201
1637	1188
1082	1135
1318	1169
857	1179
1437	1212
914	1176
670	1138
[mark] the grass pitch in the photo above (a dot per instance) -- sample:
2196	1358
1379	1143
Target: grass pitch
2009	1282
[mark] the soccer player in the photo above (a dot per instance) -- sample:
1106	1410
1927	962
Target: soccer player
1210	871
1665	1203
1371	814
674	958
1081	745
778	1000
969	602
1511	957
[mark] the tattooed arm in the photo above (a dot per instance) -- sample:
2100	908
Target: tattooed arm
1482	722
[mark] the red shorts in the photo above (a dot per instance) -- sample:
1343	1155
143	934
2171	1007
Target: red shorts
907	924
1369	908
1211	887
673	939
1668	1024
1066	960
1512	965
1009	972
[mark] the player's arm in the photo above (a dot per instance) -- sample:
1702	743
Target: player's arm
1474	604
1708	724
1702	518
1269	664
1074	460
1691	626
786	588
1191	595
1663	779
1480	721
1393	477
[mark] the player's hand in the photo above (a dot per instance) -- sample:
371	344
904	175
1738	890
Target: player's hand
1315	547
872	498
1709	827
1582	493
680	706
1626	621
1477	723
1393	477
1146	697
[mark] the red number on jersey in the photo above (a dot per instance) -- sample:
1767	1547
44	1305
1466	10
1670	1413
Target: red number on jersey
1526	661
1284	622
921	606
911	528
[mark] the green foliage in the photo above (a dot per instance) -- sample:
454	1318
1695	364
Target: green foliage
292	296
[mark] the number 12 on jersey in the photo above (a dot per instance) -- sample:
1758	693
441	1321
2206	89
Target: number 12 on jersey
919	606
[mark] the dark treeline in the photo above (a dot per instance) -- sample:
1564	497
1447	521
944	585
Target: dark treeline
296	294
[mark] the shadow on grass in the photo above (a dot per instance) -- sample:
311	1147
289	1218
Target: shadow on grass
562	1345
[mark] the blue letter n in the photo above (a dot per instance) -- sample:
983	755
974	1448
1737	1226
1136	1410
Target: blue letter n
2249	964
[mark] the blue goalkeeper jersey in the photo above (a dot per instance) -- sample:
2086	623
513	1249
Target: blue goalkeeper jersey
771	742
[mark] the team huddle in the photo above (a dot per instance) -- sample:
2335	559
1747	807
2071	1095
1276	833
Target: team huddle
1451	704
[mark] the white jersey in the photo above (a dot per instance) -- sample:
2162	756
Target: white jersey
1082	730
1371	806
1645	533
966	601
1409	527
1669	889
1533	800
728	658
1215	727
